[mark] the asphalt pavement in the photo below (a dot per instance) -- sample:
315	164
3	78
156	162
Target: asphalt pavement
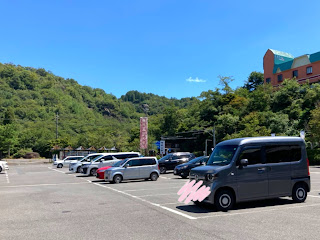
39	201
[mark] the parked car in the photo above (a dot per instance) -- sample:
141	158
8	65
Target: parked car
66	161
133	168
3	166
183	170
106	159
100	171
171	160
75	166
246	169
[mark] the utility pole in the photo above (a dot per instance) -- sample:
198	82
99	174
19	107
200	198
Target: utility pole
214	135
57	117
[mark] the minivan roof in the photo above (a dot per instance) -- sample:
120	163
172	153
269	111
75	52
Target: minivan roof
248	140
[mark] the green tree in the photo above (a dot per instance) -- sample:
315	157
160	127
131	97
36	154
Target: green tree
254	80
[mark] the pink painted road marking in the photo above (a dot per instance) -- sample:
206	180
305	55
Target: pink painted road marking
191	192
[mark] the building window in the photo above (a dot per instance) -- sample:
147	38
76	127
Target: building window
279	77
268	80
295	73
309	70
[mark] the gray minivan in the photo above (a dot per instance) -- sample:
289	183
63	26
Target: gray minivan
133	168
247	169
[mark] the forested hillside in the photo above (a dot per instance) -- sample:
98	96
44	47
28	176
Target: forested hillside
31	98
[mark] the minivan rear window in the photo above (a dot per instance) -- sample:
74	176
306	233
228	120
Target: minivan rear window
283	153
222	155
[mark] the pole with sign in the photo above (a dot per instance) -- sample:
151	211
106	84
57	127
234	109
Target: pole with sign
162	147
144	133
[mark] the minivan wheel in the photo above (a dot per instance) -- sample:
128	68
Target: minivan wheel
224	200
117	179
299	193
163	170
93	172
0	169
59	165
154	176
79	169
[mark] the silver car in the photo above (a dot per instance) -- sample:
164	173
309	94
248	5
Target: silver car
133	168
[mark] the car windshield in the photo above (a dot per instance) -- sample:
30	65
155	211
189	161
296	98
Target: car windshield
118	164
195	160
222	155
165	157
96	158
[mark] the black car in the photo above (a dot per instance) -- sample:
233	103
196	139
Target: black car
183	170
171	160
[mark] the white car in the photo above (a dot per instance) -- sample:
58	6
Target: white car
66	161
107	159
75	166
3	166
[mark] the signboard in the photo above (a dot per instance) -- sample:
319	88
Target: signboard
157	143
143	133
162	147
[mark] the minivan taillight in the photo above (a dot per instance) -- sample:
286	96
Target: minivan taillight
308	166
158	167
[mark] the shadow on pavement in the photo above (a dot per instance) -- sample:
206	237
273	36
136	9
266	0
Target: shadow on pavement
206	208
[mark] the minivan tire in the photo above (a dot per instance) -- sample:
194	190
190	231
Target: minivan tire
79	169
0	169
299	193
224	200
93	172
163	170
59	165
117	178
154	176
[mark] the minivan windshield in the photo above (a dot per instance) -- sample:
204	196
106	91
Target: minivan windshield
118	164
222	155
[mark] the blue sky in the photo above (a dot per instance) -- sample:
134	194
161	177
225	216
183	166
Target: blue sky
154	46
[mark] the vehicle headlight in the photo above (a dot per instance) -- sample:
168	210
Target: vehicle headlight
183	167
211	176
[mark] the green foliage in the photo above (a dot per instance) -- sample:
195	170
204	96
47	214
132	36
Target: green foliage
30	98
254	80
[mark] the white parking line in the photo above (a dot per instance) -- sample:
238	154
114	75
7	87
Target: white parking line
313	196
38	185
151	195
150	189
7	176
56	170
153	204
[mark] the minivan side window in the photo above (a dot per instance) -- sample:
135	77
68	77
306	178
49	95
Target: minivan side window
147	161
283	153
108	157
252	154
124	156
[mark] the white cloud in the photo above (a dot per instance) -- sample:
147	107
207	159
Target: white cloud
197	80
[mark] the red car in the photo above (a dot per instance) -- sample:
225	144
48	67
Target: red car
100	172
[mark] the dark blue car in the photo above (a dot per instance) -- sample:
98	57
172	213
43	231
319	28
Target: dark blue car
183	170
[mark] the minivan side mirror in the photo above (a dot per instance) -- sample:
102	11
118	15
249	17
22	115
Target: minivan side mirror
127	165
244	162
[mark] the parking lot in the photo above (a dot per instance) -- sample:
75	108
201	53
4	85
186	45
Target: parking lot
38	201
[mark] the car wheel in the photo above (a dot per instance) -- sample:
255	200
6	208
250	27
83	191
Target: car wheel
117	179
163	170
59	165
224	200
93	172
79	169
0	169
154	176
299	193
